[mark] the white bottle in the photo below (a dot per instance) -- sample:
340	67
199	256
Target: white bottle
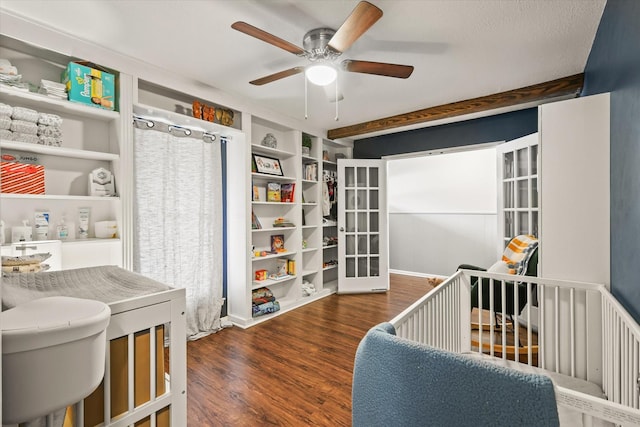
23	233
62	231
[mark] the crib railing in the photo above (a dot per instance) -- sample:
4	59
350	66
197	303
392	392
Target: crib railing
575	329
620	354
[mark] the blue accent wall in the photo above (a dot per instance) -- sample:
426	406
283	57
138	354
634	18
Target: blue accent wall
614	66
501	127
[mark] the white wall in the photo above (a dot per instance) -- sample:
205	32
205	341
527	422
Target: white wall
442	211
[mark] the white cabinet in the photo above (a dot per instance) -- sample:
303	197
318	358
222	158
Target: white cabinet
574	189
90	139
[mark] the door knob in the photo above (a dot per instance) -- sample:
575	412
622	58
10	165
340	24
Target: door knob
341	228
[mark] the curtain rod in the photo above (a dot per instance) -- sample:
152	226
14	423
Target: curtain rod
145	123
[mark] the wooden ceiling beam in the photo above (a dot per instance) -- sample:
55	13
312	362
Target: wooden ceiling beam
571	85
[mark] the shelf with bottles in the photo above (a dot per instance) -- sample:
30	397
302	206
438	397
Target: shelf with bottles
155	97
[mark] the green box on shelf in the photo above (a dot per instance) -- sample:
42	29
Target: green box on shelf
87	84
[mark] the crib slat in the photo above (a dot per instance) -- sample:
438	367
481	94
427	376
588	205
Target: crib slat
572	332
152	364
107	386
556	316
130	372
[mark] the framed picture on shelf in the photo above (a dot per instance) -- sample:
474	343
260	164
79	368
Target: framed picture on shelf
277	243
267	165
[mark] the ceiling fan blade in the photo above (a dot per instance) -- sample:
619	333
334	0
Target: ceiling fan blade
256	32
378	68
277	76
363	16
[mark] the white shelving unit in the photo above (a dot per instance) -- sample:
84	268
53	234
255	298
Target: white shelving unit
90	139
303	241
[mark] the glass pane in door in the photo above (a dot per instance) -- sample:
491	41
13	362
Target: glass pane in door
363	271
374	244
362	222
351	201
361	199
349	177
508	166
523	222
522	158
373	177
374	266
350	222
350	248
362	177
374	222
350	264
508	195
373	199
534	159
523	193
362	245
509	227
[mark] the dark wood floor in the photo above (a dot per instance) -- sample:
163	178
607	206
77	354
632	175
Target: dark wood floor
293	370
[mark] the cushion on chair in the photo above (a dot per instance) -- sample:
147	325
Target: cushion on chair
397	382
518	252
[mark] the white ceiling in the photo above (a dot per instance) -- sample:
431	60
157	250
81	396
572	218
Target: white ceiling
460	49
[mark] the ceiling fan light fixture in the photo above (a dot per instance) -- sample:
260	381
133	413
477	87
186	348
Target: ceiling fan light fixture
321	74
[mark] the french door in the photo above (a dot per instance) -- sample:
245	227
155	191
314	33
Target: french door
363	263
518	206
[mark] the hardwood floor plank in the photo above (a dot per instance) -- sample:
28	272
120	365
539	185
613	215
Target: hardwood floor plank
296	369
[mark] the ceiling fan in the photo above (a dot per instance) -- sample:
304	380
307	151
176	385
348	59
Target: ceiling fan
322	47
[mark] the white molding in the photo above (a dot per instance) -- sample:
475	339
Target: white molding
415	274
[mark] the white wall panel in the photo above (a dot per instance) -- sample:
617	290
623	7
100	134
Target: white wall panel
438	243
443	183
442	211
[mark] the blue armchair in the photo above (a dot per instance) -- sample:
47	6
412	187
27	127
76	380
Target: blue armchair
397	382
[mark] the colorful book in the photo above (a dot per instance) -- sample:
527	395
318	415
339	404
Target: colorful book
273	192
287	192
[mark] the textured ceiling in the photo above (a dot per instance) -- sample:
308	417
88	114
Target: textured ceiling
460	49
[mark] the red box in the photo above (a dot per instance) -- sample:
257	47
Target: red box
21	178
261	275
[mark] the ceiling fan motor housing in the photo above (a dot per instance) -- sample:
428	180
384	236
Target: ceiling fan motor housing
316	44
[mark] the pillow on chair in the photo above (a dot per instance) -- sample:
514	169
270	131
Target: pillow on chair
499	267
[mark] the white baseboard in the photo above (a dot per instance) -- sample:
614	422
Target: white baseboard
415	274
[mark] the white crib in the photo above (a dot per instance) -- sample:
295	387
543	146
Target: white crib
586	340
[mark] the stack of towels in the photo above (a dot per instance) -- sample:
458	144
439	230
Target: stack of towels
27	125
52	89
264	302
9	76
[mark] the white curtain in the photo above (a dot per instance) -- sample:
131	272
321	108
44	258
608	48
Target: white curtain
178	221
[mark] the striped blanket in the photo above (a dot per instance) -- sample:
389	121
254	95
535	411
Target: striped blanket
517	253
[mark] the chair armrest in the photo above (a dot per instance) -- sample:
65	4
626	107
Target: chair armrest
470	267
